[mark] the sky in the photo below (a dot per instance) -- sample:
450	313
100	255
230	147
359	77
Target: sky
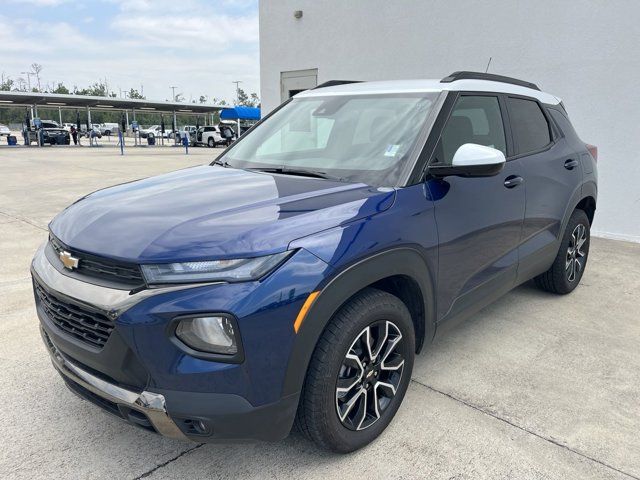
200	46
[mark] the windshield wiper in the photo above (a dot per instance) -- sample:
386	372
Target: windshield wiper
294	171
224	164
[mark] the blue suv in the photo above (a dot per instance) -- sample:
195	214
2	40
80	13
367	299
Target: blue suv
293	280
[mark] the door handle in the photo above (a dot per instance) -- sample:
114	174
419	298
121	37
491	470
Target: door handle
513	181
570	164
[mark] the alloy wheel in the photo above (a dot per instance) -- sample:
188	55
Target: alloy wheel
576	255
369	375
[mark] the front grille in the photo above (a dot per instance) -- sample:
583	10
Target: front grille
103	268
90	327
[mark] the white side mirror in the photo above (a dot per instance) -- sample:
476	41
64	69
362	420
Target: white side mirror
473	155
471	160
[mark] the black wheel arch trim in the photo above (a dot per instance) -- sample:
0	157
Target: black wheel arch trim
590	189
338	289
587	189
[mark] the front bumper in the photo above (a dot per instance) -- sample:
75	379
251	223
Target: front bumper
140	375
195	416
151	405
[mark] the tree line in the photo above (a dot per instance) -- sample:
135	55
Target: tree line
98	89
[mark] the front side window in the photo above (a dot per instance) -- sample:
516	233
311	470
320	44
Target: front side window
353	138
474	119
529	125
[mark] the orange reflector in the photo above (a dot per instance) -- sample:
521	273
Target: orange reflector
303	311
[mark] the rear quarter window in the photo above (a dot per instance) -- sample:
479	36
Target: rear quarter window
529	125
563	123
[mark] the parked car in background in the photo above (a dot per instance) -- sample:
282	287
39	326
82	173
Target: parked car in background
50	136
95	128
209	135
55	136
4	130
49	124
109	128
67	126
32	133
156	130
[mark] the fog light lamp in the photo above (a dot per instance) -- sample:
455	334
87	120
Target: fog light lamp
212	334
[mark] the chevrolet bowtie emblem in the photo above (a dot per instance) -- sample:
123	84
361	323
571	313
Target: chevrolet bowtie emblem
68	260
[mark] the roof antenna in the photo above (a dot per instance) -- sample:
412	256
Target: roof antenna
488	63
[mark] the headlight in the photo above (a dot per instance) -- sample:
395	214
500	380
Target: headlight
211	334
238	270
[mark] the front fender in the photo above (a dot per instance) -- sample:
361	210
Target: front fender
336	290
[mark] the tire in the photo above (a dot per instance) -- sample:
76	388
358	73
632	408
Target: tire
568	267
333	364
211	143
107	133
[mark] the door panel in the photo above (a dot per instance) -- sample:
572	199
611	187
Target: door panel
479	226
549	188
479	220
553	173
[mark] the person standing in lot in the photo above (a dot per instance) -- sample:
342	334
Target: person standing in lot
228	136
74	135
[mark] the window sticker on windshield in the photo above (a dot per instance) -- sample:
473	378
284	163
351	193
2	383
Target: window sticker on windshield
392	150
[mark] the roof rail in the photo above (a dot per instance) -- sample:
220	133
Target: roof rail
487	76
332	83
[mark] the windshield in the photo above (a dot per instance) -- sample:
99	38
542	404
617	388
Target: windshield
354	138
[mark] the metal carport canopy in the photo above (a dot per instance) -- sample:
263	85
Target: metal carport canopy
27	99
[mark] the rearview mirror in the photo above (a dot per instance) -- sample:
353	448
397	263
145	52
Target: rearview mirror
472	160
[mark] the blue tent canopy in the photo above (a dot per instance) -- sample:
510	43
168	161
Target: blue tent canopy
240	113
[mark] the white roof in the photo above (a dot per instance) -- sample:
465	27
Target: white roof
408	86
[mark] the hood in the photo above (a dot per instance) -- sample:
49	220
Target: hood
211	212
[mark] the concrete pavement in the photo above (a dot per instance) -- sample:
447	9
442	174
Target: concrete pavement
535	386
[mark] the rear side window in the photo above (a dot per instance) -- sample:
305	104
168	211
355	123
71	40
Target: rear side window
563	124
529	125
474	119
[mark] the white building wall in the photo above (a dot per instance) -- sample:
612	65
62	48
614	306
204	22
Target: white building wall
586	52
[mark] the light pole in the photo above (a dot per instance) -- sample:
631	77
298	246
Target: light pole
173	93
237	82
